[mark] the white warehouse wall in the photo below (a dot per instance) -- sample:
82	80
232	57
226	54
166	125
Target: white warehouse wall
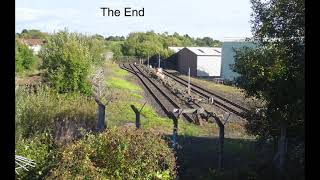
228	58
208	65
36	49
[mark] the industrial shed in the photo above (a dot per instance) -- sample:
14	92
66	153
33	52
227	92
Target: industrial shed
203	61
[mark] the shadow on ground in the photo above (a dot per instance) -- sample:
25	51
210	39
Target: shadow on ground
197	157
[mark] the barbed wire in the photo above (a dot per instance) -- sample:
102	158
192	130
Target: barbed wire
23	163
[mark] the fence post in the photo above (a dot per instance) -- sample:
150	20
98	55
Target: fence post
175	132
175	126
282	148
101	116
221	142
137	112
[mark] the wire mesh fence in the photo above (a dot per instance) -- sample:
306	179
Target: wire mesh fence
128	59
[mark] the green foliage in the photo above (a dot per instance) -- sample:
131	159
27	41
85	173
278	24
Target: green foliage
207	41
116	48
118	153
115	38
41	121
148	44
41	151
33	34
97	48
98	36
67	57
144	44
122	84
25	60
42	111
274	71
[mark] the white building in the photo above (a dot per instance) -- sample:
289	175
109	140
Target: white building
227	55
34	44
202	61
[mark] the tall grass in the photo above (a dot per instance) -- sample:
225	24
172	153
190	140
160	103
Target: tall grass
43	109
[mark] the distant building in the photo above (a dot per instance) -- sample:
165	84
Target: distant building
34	44
202	61
227	56
108	55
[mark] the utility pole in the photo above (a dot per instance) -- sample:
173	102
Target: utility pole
159	61
189	82
148	60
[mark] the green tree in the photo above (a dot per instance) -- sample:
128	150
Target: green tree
33	34
208	41
97	48
25	60
274	71
144	44
67	57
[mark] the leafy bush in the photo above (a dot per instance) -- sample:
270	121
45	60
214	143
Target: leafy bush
33	34
39	149
45	110
97	48
118	153
25	60
68	58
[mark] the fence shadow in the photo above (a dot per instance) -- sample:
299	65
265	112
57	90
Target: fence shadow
198	156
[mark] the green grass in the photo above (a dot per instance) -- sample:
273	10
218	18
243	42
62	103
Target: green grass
122	84
37	112
215	86
120	72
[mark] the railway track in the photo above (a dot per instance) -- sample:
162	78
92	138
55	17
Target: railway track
162	98
219	100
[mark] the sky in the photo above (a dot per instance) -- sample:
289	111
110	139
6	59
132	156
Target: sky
217	19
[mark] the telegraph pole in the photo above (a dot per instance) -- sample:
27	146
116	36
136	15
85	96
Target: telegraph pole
148	60
189	82
159	60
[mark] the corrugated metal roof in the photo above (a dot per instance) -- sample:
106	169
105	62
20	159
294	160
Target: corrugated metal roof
206	51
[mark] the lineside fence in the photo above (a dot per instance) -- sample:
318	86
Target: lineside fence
128	59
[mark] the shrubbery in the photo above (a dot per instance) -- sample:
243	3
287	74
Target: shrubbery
45	110
40	149
45	119
67	57
25	60
119	153
42	115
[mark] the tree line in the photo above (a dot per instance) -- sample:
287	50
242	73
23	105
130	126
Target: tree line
146	44
138	44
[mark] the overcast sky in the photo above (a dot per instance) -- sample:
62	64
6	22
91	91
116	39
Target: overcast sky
197	18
